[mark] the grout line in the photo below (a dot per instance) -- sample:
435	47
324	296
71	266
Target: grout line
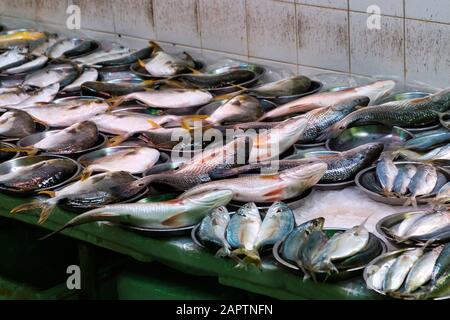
349	39
247	29
297	39
404	41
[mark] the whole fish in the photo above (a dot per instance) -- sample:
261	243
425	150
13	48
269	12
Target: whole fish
443	196
428	140
20	38
403	179
41	175
242	232
134	160
89	74
322	118
39	96
108	52
67	113
163	64
109	90
69	48
176	213
423	183
373	91
126	58
341	167
409	220
167	98
386	172
372	249
169	138
442	265
197	169
16	124
267	188
41	48
427	224
278	222
291	247
285	87
214	80
13	58
14	96
213	227
77	137
404	113
97	191
376	279
439	154
34	64
316	241
63	74
399	270
421	271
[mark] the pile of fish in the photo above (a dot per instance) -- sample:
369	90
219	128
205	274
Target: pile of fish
412	274
245	233
315	253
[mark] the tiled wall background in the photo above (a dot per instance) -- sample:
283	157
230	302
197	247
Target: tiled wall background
303	36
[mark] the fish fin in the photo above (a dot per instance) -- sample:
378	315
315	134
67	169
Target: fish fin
188	57
251	256
116	140
46	209
228	96
28	150
156	47
185	122
50	193
86	174
115	101
175	83
149	83
153	124
411	201
141	63
193	70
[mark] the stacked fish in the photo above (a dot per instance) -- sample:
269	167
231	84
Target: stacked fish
411	274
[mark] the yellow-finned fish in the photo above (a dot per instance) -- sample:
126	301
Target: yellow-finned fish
20	38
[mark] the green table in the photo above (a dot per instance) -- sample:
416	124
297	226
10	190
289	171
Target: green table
182	254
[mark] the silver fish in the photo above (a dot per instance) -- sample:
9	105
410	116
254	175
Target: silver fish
423	183
89	74
39	96
61	73
13	58
32	65
213	227
386	172
403	179
285	87
16	124
421	271
427	224
437	154
428	140
242	108
376	279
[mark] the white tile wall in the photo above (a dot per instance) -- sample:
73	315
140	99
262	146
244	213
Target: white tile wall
302	36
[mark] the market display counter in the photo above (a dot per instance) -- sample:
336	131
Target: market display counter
182	254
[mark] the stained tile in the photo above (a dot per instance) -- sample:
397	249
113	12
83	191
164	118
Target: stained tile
134	18
53	11
339	4
96	15
387	7
432	10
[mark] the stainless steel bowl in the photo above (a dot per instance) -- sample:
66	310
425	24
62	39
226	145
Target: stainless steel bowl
40	128
11	165
258	70
360	135
97	154
35	138
378	262
367	182
342	275
390	221
315	87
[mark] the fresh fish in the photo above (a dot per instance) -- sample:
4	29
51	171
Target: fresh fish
125	59
134	160
376	279
216	80
67	48
316	241
163	64
285	87
409	220
109	90
428	140
175	213
400	268
427	224
41	175
322	118
39	96
42	47
341	167
16	124
110	52
439	154
291	247
14	96
97	191
32	65
403	179
167	98
278	222
169	138
386	172
267	188
373	91
404	113
442	265
63	74
20	38
242	232
423	183
212	229
13	58
89	74
67	113
421	271
372	249
443	196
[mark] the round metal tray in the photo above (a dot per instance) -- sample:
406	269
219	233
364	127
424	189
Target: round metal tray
360	135
10	165
342	275
379	261
315	87
35	138
367	182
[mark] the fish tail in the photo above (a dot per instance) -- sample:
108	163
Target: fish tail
174	83
186	122
30	151
141	63
411	201
86	174
45	206
193	70
227	96
251	256
116	140
116	101
153	45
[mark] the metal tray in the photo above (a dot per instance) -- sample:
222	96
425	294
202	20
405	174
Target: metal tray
367	182
96	154
342	275
315	87
360	135
35	138
380	261
10	165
